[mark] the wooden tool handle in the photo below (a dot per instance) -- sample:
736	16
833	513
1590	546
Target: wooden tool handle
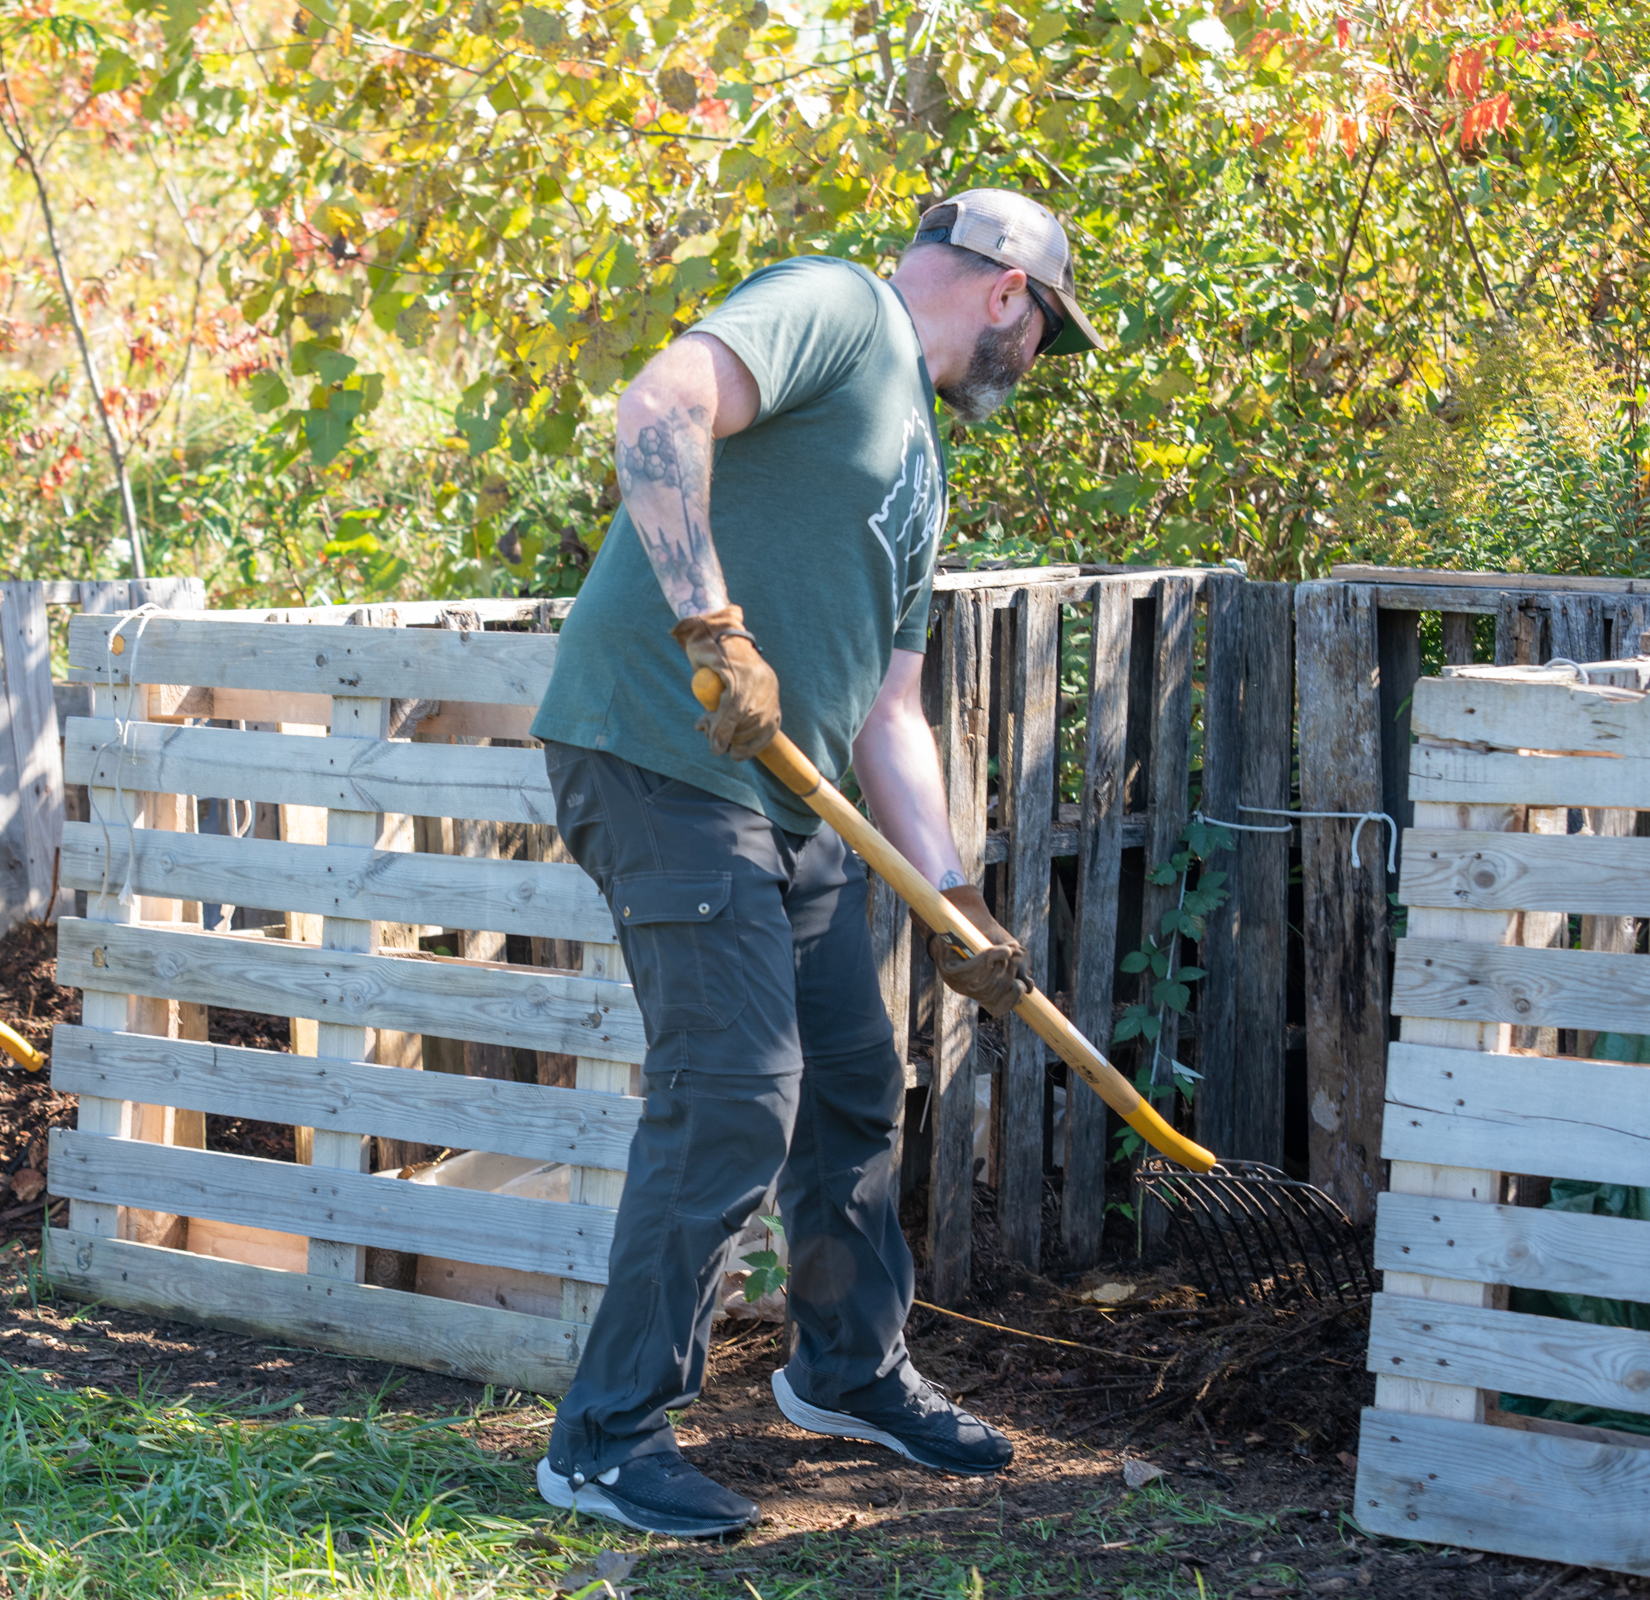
1036	1010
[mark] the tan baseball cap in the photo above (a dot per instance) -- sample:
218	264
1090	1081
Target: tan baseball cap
1014	229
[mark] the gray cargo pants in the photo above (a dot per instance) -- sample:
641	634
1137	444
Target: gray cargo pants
769	1053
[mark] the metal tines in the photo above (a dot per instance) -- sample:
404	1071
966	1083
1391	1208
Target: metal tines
1252	1233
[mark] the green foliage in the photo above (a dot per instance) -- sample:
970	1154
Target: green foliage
1534	464
767	1275
1159	955
403	254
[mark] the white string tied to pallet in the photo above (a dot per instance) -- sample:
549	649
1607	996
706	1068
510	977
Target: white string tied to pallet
122	728
1361	817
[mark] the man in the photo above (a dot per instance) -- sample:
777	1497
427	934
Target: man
802	575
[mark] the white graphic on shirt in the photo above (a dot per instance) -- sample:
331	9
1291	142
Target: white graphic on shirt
912	515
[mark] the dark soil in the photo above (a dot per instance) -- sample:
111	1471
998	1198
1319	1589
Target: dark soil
1254	1408
32	1003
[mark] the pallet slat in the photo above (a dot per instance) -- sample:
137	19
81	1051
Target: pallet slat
31	730
1506	1350
1532	716
1578	873
501	1116
1560	1251
553	900
506	1348
333	1203
1337	664
1588	1121
427	664
1525	987
421	780
452	1000
1453	776
464	718
1490	1488
1030	678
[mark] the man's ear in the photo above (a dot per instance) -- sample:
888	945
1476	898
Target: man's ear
1006	286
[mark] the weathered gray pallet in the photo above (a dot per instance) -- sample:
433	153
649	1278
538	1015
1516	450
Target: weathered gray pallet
1437	1459
122	1166
31	767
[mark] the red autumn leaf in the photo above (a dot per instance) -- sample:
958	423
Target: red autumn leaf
1314	132
1349	136
1466	72
1343	31
1492	114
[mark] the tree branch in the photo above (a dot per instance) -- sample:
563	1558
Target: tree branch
16	135
1357	221
1400	71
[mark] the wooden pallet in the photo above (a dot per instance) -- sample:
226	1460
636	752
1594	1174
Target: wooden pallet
1484	980
31	767
134	1168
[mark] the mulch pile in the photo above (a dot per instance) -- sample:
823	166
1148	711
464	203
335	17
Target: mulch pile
32	1003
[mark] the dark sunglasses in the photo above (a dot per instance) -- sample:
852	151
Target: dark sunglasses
1053	323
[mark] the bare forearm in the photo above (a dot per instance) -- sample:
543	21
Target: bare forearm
899	774
663	457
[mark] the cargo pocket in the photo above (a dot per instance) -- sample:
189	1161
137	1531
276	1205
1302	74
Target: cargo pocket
682	945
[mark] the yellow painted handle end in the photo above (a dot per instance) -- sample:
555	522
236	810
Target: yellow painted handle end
1156	1132
20	1050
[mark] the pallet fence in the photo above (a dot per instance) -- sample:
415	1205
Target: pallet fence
1491	1094
31	761
1184	678
1358	664
1079	715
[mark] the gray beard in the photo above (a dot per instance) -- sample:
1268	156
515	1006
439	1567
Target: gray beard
993	371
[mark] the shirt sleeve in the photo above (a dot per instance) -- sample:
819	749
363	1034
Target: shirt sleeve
912	632
800	326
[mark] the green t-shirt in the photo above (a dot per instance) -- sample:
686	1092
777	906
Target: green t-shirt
826	513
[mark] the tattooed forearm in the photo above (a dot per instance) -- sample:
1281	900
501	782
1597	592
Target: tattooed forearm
664	475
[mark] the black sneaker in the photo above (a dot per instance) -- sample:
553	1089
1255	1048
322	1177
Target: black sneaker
655	1494
924	1427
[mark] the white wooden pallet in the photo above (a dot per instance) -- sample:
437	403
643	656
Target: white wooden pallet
31	767
130	1168
1491	877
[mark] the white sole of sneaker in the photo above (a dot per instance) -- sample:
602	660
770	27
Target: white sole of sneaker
594	1501
840	1425
833	1424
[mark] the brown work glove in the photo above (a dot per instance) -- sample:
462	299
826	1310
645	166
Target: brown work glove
997	978
745	722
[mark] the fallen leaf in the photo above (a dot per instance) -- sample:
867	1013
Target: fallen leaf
1348	1460
27	1184
1108	1294
611	1567
540	1539
615	1565
1137	1474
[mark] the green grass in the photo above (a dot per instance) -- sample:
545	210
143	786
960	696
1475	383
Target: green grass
105	1496
108	1497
